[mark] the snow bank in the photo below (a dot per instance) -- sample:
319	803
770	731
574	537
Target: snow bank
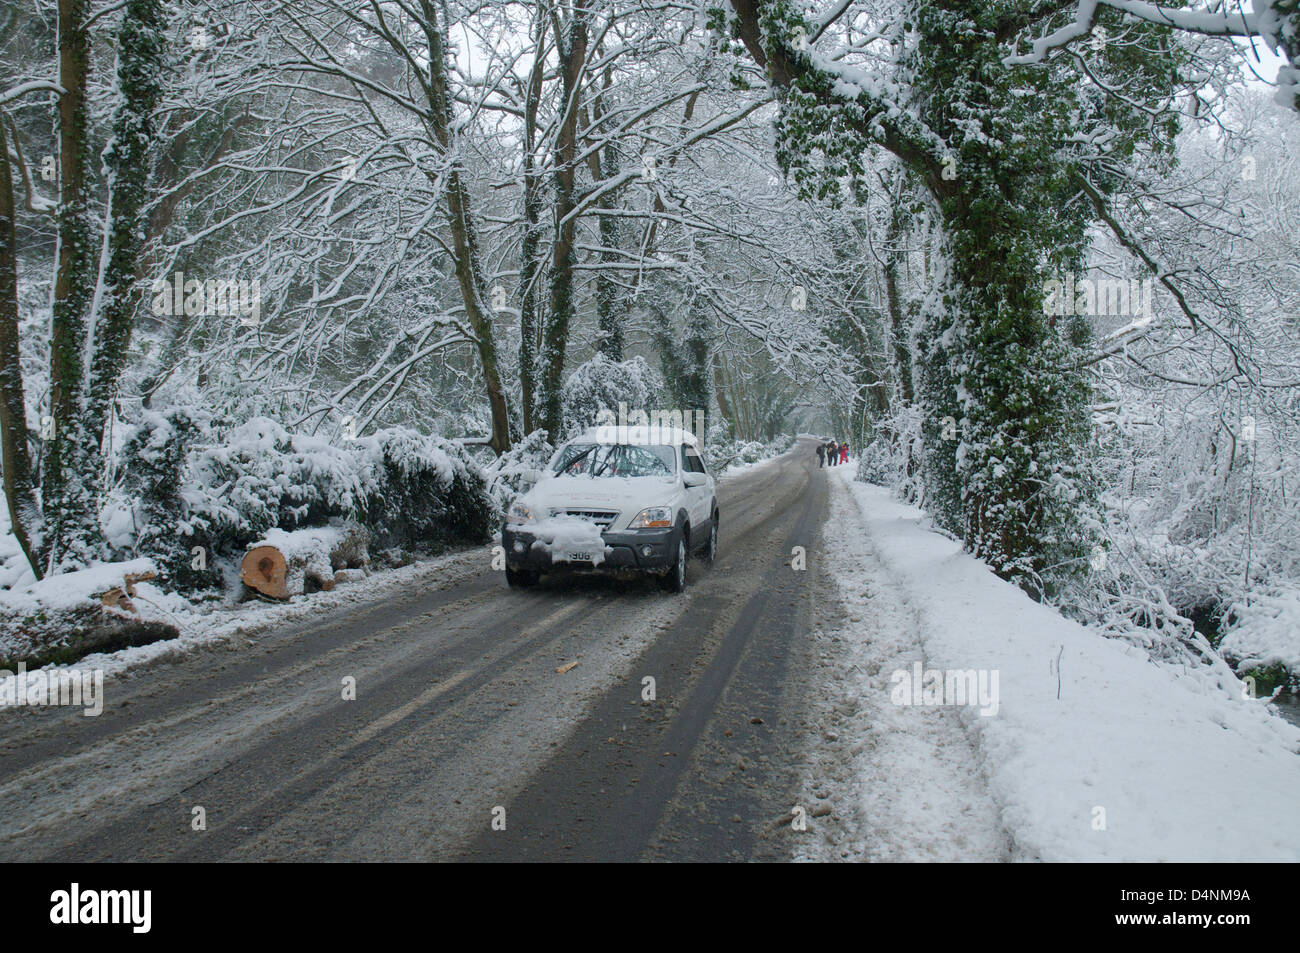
1096	752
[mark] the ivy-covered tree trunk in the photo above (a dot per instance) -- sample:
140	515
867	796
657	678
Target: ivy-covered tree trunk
687	362
469	271
1020	405
141	60
572	43
15	452
900	348
696	382
67	482
530	266
1004	416
611	307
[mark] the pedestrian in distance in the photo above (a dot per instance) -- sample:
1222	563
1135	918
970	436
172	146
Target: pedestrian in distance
821	456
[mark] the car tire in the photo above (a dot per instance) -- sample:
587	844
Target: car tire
521	578
711	550
674	580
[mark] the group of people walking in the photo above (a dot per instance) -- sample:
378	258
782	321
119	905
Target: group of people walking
831	453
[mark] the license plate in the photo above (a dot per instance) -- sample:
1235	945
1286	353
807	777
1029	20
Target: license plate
577	557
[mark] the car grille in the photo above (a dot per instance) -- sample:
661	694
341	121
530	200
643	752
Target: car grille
602	518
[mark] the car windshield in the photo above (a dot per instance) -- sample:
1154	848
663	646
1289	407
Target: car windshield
615	460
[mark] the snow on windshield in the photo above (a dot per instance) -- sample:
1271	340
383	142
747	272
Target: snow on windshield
615	460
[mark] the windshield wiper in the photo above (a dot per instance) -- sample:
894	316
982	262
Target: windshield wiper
567	466
604	465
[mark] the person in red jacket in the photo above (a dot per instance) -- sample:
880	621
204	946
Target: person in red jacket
844	453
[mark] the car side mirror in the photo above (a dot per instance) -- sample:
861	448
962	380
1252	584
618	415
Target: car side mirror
691	478
532	474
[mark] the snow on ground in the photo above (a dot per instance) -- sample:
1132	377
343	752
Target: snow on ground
215	623
911	780
1094	753
738	466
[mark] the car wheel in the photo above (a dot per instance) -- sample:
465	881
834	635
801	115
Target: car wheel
521	578
674	580
711	553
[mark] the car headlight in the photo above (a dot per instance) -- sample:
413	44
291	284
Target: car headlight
653	517
519	513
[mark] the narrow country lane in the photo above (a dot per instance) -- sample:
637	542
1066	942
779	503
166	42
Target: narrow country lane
460	713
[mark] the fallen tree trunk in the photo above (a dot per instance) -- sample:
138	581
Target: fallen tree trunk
286	564
66	617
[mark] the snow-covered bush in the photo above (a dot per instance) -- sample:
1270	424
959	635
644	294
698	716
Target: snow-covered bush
262	477
506	474
423	492
721	457
892	457
153	458
879	462
602	384
1265	635
411	491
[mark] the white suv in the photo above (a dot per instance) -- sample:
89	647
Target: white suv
642	503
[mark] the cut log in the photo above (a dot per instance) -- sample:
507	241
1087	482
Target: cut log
286	563
265	569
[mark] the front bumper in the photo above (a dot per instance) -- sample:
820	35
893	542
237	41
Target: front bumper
650	550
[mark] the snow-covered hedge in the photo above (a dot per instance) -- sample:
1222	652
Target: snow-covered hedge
194	488
423	492
507	474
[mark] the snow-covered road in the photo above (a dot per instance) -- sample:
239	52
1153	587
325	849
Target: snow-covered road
459	710
755	717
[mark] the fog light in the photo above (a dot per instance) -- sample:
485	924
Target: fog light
647	551
519	547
